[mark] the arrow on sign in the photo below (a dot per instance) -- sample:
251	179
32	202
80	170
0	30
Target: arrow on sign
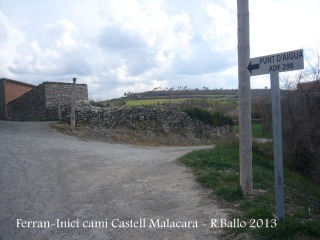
253	67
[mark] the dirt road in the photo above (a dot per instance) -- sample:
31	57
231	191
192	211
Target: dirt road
54	186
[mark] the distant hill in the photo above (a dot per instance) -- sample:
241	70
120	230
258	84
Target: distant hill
174	94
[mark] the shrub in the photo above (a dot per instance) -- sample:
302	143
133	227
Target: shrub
99	103
215	119
199	114
219	119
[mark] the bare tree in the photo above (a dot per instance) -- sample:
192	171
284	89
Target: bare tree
301	117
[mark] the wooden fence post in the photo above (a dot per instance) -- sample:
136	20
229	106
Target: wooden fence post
73	104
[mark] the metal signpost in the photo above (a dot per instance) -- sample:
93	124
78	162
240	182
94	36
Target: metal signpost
273	64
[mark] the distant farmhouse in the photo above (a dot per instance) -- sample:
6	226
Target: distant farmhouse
36	103
309	86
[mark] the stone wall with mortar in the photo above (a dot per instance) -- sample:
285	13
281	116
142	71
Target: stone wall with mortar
152	119
42	102
61	94
29	107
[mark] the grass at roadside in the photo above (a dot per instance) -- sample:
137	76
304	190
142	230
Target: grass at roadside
218	169
257	131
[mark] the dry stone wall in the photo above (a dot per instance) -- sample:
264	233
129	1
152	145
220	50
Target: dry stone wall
157	120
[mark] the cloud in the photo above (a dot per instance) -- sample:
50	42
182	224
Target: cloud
64	58
120	45
31	59
202	59
280	26
113	38
62	32
158	42
223	26
9	39
128	48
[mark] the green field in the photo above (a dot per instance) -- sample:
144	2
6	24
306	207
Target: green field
218	169
256	131
222	100
146	102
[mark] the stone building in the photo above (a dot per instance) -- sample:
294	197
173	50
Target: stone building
42	102
9	91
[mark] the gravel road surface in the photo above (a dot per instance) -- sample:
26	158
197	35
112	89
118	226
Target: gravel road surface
54	186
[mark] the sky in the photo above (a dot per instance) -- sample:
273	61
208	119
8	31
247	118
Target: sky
118	46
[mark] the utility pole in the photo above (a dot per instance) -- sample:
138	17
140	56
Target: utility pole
244	98
73	104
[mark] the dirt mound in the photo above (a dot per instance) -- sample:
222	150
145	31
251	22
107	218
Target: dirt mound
136	137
